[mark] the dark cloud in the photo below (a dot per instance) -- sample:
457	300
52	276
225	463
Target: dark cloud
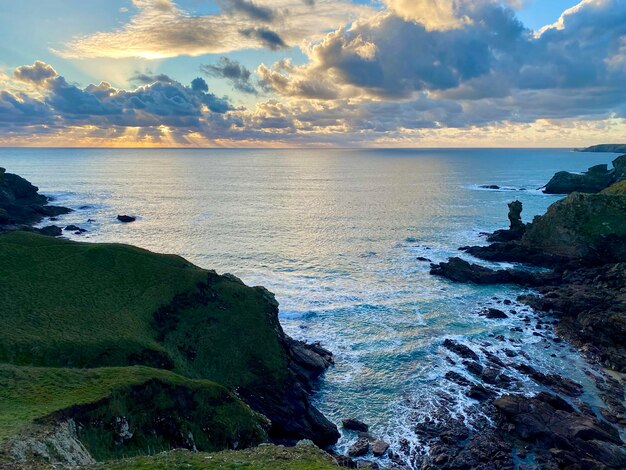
491	55
249	9
36	73
233	71
267	37
147	78
161	102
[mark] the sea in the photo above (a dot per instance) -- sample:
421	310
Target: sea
341	237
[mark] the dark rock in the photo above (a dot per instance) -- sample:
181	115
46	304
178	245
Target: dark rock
548	422
460	349
457	378
75	229
594	180
473	367
480	393
126	218
459	270
379	448
360	448
423	259
21	205
355	425
490	186
516	229
494	313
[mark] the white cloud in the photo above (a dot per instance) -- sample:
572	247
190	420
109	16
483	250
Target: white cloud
160	29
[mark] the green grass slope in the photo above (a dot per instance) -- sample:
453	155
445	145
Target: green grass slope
99	333
260	458
70	304
97	398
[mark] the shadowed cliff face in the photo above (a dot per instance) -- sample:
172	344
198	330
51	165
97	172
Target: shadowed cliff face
21	205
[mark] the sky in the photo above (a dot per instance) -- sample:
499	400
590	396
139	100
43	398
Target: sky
312	73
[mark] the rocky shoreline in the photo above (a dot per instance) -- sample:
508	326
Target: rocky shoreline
581	298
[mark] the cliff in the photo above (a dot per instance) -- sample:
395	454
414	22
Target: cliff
594	180
21	205
143	353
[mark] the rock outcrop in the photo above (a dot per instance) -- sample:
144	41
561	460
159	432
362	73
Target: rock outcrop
558	434
21	205
516	229
594	180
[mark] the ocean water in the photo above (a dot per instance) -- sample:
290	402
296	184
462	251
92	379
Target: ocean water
335	234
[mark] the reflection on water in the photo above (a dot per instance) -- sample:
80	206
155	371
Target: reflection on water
336	235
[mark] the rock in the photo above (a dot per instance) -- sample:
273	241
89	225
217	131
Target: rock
490	186
126	218
74	228
360	448
594	180
355	425
460	349
423	259
21	205
516	229
494	313
459	270
457	378
480	393
379	448
589	227
549	423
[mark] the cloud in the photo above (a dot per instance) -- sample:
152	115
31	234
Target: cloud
160	29
37	73
160	103
234	72
250	9
267	37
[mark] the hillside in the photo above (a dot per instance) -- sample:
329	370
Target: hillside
141	352
610	148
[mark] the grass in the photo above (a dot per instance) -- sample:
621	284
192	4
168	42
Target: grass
31	393
260	458
69	304
98	331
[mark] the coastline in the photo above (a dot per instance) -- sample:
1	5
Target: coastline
477	391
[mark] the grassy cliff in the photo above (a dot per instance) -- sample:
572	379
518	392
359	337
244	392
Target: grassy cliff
141	353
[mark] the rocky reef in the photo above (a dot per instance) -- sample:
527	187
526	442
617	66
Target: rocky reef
581	240
21	205
594	180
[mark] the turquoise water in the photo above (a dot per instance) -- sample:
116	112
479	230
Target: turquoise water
335	234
